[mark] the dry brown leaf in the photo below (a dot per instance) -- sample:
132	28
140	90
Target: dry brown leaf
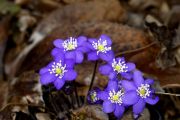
4	29
25	90
4	90
90	112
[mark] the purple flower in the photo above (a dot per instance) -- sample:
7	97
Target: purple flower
139	92
72	48
117	66
93	96
57	72
112	99
100	48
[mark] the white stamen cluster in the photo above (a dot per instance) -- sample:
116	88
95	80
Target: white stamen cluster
116	97
58	69
93	96
119	66
101	46
143	90
70	44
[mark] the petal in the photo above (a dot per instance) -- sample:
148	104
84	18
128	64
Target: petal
149	81
56	51
89	46
59	57
108	107
122	59
131	66
103	95
112	75
107	56
139	106
138	78
92	40
58	43
92	56
151	100
47	78
70	75
105	69
81	40
112	85
70	55
50	65
126	75
107	38
119	110
83	49
58	83
79	57
70	63
128	85
130	98
43	70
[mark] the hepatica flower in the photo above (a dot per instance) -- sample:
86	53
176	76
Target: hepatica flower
112	99
72	48
117	66
139	92
100	48
57	72
117	95
93	96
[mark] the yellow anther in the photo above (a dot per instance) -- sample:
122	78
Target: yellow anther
70	47
101	48
115	97
117	68
58	71
142	91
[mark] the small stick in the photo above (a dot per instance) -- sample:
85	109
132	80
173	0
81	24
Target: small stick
170	94
171	85
136	50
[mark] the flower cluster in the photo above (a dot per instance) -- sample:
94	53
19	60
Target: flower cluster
126	87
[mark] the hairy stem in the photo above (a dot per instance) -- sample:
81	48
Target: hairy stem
76	94
92	81
93	76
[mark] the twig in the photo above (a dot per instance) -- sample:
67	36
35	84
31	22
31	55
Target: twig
136	50
170	94
171	85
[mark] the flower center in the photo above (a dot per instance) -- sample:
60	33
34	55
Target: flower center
116	97
143	90
101	46
70	44
119	66
93	96
58	69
